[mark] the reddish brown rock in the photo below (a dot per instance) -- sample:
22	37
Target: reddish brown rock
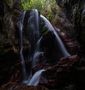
61	73
71	44
15	86
68	61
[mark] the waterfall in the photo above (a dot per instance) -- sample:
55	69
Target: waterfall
36	13
58	40
20	25
33	28
37	57
36	77
33	34
36	53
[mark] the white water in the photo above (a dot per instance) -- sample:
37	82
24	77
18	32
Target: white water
33	33
33	29
38	44
59	41
37	53
36	77
36	13
36	57
34	25
20	24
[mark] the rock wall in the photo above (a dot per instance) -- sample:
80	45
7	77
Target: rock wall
75	13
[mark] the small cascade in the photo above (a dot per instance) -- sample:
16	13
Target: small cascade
37	52
57	40
37	48
36	77
37	57
33	34
32	28
36	13
20	25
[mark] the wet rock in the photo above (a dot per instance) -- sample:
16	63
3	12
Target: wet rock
71	44
61	73
73	47
51	48
16	86
37	67
40	66
76	15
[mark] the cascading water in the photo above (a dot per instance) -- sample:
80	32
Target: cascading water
36	77
58	40
20	25
37	52
37	57
32	28
33	32
37	23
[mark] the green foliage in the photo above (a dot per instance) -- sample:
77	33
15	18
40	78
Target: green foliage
30	4
46	7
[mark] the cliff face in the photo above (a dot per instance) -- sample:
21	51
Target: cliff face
10	11
8	40
75	13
